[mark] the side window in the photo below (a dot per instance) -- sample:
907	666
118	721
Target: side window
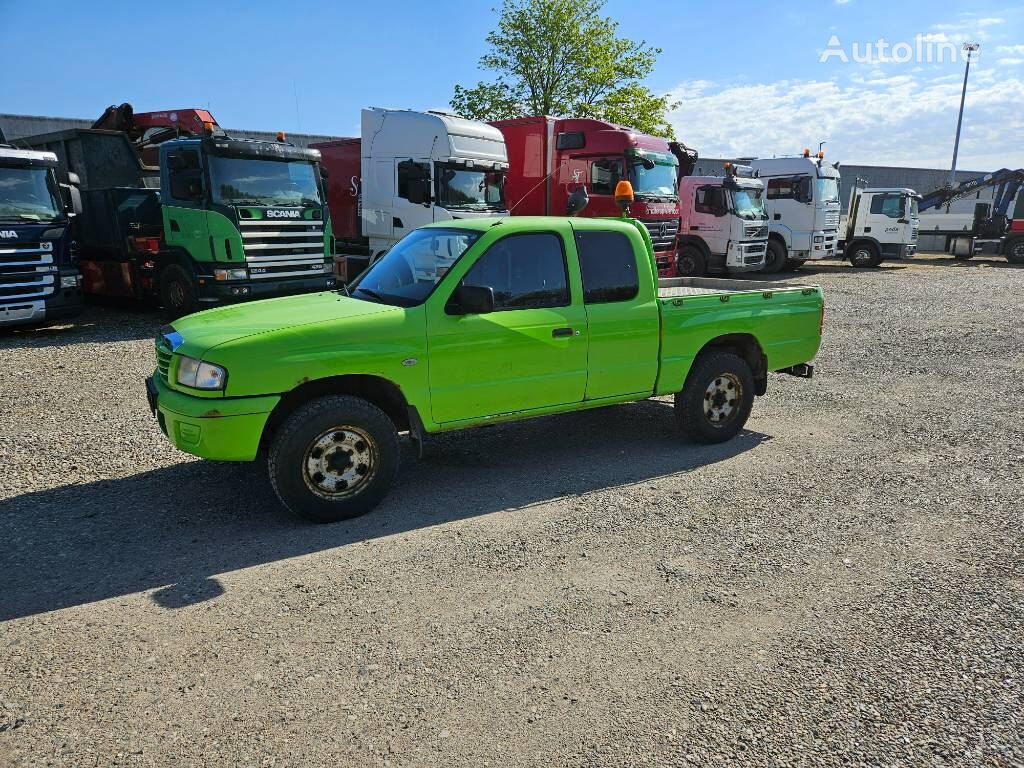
526	272
709	200
608	264
605	173
185	175
791	188
887	205
411	177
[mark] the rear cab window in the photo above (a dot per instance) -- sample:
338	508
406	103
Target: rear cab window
608	266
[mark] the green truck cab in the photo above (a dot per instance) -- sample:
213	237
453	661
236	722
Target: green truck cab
464	323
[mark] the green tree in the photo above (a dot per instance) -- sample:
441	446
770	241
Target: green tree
561	57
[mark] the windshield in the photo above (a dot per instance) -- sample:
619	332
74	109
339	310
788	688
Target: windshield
407	273
748	203
244	181
459	187
826	190
659	180
29	194
913	206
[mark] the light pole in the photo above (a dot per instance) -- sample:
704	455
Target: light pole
970	48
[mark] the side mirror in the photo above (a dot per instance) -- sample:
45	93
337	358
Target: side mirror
323	173
471	300
419	191
74	179
578	200
72	199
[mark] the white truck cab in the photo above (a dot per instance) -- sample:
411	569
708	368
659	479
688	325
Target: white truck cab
723	224
421	167
802	201
881	223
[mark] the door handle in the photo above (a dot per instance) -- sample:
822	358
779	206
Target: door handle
558	333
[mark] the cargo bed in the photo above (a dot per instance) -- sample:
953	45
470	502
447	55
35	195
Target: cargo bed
672	287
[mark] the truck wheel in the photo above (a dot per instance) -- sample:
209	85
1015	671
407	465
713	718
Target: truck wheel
865	255
177	292
794	264
1014	251
775	257
690	262
333	459
715	402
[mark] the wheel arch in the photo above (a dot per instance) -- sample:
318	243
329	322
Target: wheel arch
775	237
696	242
744	345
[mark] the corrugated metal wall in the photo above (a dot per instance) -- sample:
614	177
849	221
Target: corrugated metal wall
15	126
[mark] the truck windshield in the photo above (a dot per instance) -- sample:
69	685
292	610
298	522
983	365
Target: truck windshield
826	190
29	194
660	180
406	274
459	187
748	203
245	181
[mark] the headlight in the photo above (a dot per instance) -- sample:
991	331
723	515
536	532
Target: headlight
69	281
819	238
199	375
328	266
230	274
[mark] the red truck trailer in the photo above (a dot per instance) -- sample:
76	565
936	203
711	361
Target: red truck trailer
550	157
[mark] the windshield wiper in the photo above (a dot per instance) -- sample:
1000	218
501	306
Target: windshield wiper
372	294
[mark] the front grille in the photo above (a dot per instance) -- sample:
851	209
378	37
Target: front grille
753	253
26	271
755	230
163	360
831	218
283	248
663	233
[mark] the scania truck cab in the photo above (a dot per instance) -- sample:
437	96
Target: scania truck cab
550	158
724	226
39	280
802	201
882	223
408	169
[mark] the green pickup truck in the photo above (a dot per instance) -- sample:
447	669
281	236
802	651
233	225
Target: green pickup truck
464	323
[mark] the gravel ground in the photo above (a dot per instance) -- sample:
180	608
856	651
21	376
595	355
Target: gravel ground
841	585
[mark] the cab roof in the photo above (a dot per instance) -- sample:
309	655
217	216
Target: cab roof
538	223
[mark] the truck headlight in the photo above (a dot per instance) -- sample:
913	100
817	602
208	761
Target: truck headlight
70	281
230	274
199	375
819	238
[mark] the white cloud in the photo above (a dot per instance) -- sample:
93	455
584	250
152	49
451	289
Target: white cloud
1009	62
989	21
1010	49
901	120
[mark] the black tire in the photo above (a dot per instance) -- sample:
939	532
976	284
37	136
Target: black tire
794	264
864	255
704	409
690	262
177	292
1014	250
333	459
775	257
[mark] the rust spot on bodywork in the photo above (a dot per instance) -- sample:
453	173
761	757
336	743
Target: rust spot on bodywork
213	413
303	380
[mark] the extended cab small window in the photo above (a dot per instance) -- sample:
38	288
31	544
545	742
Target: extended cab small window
608	264
888	205
605	173
526	272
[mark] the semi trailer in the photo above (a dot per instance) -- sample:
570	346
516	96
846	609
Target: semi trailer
550	157
723	223
39	277
802	201
218	219
881	223
407	169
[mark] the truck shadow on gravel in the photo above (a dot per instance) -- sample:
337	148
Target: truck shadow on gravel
96	325
174	529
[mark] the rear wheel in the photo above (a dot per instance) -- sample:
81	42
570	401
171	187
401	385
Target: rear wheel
716	400
1014	250
690	262
865	255
794	264
775	257
177	292
333	459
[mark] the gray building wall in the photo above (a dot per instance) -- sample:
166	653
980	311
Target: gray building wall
15	126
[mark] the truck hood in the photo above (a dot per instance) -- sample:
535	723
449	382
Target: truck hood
201	332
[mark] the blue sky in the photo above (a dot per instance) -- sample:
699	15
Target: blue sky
748	74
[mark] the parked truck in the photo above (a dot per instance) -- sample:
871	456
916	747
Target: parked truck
39	277
881	223
464	323
405	170
219	219
723	223
802	201
551	157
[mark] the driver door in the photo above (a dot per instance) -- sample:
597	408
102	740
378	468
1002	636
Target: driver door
530	352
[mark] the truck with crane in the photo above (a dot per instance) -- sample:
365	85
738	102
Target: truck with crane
407	169
802	201
993	224
39	277
881	223
217	219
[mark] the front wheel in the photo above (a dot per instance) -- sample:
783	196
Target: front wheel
691	262
865	255
177	292
716	400
794	264
333	459
775	259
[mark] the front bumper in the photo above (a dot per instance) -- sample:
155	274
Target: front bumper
63	303
746	255
242	290
220	428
